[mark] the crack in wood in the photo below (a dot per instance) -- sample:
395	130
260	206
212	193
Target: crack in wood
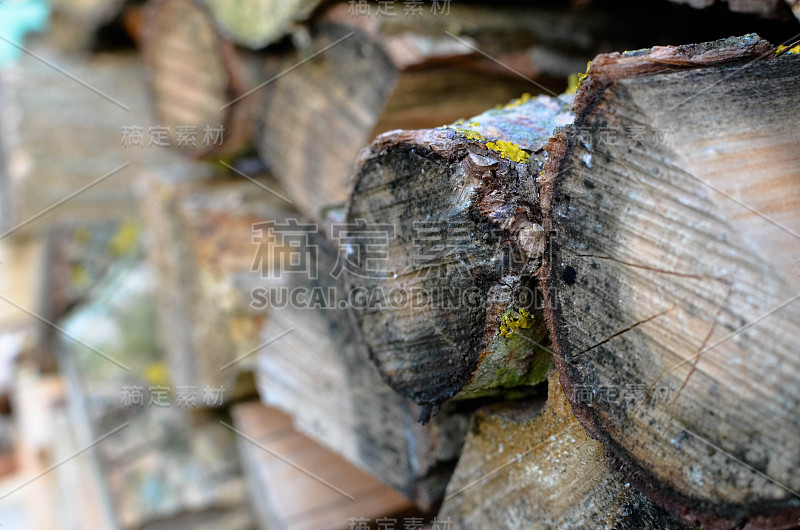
620	332
654	269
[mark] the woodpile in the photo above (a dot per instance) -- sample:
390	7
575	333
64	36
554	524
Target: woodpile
363	74
640	269
397	273
515	205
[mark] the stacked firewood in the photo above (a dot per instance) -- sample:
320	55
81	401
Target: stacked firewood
565	310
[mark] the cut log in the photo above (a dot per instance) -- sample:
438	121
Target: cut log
452	306
256	23
61	141
674	208
527	464
315	369
196	78
362	76
202	245
277	459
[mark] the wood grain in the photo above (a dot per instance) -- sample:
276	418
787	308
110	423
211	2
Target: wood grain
673	273
461	203
530	464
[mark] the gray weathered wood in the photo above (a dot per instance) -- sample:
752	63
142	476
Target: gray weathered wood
462	244
673	274
315	369
163	462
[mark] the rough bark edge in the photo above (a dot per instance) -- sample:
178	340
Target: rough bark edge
604	71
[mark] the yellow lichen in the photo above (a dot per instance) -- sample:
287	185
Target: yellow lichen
509	150
78	275
124	239
524	98
793	50
574	80
156	373
81	235
470	134
511	321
